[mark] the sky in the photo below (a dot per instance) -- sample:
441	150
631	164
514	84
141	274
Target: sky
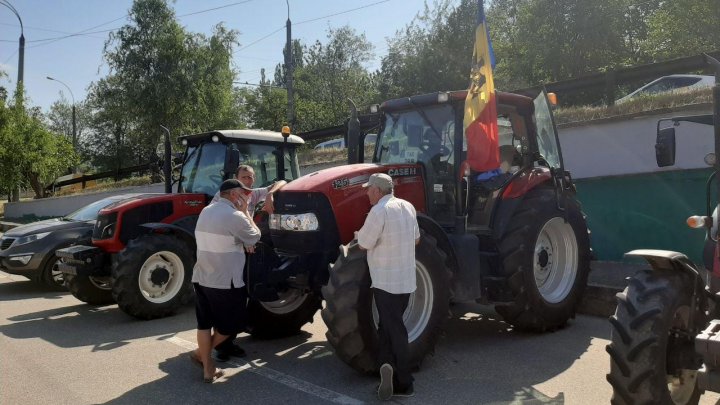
76	60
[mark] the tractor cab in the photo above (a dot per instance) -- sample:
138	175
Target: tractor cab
427	130
213	157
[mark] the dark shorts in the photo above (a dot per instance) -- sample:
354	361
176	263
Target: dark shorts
222	309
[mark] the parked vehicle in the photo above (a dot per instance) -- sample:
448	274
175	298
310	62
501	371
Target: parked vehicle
665	345
519	241
143	248
670	83
29	250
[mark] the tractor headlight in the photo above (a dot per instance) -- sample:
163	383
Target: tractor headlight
294	222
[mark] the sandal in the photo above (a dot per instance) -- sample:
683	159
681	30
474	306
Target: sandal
218	374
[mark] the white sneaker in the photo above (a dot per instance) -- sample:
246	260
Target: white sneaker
385	390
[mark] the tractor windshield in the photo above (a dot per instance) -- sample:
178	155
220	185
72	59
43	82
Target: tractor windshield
202	171
417	135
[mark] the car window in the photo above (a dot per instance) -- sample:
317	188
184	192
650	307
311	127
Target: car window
90	211
670	83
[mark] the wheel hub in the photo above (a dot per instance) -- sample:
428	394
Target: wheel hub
159	276
556	260
543	258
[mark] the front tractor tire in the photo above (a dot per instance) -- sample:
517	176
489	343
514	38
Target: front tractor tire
546	258
652	357
151	276
90	290
351	317
284	317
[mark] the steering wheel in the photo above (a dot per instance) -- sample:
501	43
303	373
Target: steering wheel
442	149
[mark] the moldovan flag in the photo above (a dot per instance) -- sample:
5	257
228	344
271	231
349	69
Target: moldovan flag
480	119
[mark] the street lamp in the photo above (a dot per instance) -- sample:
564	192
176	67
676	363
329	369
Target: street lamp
74	134
21	46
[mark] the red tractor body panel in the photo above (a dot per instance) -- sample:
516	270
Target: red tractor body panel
526	181
348	199
183	205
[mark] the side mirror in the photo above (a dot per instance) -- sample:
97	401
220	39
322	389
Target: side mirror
665	147
232	161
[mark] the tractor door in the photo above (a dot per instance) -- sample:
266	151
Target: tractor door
548	143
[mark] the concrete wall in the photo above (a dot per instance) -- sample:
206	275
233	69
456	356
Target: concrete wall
59	206
626	145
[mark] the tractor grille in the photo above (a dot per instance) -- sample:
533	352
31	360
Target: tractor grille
6	242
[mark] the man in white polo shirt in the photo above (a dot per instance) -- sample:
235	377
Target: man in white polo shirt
218	273
389	235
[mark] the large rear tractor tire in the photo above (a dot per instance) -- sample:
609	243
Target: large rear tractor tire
151	276
650	329
91	290
351	316
546	260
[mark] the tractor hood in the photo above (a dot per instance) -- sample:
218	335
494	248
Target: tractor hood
342	186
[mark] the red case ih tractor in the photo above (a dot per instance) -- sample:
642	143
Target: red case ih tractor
518	240
143	249
665	343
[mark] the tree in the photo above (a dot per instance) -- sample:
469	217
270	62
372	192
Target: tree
60	120
162	75
327	76
30	155
683	28
432	53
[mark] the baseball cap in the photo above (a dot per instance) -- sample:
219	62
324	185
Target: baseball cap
231	184
380	180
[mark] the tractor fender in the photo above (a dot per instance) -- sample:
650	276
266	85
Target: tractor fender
462	259
187	236
666	260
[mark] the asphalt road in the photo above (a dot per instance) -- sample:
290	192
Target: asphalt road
57	350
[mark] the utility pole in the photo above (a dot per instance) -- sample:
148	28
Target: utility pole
289	72
74	129
15	193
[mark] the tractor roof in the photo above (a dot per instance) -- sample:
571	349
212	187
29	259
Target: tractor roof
457	95
245	134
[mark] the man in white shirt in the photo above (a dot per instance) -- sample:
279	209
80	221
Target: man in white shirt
221	300
246	175
389	235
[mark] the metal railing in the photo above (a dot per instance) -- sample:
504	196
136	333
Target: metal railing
116	174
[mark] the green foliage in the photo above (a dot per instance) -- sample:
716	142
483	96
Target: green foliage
683	28
160	75
30	155
432	53
327	75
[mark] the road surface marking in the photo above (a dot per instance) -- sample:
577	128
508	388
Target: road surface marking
276	376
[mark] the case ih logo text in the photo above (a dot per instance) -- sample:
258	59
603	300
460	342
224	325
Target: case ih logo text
403	171
193	203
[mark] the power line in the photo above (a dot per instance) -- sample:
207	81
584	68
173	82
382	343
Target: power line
342	12
85	31
216	8
311	20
